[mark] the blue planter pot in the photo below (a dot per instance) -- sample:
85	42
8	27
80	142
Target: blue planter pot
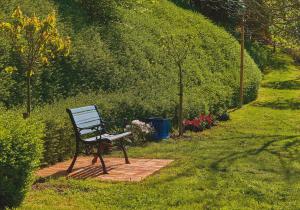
161	126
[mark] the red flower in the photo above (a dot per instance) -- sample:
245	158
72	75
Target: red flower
202	117
209	119
187	122
201	122
196	122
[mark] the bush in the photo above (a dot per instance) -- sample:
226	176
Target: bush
20	153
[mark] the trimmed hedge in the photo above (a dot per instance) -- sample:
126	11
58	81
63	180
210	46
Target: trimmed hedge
20	154
119	50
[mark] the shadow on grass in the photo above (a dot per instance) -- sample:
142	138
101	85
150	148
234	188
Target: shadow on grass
284	85
282	153
288	104
85	172
279	64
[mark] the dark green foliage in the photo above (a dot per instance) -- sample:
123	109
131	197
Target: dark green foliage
261	54
20	154
102	11
221	11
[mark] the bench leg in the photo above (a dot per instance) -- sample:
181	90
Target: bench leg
74	160
101	158
94	161
125	153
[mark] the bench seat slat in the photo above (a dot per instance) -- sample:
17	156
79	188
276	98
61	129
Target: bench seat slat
108	137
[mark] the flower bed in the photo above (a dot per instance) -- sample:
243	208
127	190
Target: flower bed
199	123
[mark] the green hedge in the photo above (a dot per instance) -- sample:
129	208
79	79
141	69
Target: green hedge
119	50
20	154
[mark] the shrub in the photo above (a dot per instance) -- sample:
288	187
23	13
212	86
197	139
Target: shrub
20	153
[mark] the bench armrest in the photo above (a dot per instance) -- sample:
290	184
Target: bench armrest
94	127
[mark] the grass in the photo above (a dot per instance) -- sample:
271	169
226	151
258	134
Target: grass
249	162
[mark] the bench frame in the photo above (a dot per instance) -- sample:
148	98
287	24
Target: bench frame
100	142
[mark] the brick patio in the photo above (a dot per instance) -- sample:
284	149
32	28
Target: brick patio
138	170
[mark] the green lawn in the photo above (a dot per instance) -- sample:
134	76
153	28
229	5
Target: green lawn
250	162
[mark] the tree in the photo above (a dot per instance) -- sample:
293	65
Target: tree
275	21
178	48
35	42
285	22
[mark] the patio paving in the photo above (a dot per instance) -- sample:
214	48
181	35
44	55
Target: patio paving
138	170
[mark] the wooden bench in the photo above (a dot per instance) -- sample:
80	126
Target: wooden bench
90	130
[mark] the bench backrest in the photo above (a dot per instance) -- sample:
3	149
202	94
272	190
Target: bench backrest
84	117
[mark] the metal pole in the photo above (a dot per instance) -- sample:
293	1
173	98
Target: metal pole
242	62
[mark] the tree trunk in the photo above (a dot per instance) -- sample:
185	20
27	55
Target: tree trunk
180	110
242	64
28	94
